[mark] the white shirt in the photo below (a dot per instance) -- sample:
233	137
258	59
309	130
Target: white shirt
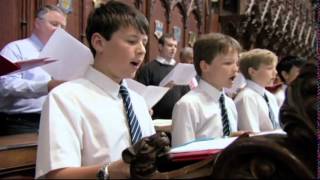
84	123
161	60
253	110
198	115
23	92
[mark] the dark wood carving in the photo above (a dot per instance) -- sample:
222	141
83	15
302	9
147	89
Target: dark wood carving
280	26
148	160
144	155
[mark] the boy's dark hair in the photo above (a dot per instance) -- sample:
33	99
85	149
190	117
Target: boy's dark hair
208	46
287	63
110	17
165	36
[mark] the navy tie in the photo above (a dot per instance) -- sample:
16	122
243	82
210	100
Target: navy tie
271	115
134	126
224	116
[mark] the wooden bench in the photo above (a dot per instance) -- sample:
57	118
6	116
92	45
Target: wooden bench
18	156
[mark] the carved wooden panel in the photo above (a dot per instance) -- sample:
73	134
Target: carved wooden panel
192	28
10	20
177	24
283	26
157	12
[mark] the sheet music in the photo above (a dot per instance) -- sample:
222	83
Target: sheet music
162	122
211	144
151	94
276	131
8	67
181	74
74	57
202	145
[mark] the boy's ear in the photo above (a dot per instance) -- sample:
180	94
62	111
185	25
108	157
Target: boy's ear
251	71
97	42
37	23
204	66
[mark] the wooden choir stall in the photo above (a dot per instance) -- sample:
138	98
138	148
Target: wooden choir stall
283	26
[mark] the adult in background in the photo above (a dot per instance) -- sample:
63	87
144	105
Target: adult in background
22	94
153	72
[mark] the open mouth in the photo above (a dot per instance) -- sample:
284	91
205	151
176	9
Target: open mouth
136	64
273	79
232	78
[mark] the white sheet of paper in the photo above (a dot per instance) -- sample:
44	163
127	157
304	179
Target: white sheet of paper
8	67
275	131
220	143
151	94
73	56
162	122
181	74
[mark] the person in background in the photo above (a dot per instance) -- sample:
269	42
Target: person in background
86	123
206	111
257	108
186	56
288	69
22	94
154	71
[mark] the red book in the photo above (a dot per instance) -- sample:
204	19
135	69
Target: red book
199	149
194	155
7	66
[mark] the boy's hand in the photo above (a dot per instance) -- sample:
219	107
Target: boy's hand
170	84
119	170
54	83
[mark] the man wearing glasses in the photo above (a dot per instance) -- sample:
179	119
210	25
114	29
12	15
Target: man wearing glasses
22	94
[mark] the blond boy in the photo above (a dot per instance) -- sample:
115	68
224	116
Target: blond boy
257	108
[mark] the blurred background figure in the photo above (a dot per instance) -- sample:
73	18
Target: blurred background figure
22	94
288	69
186	55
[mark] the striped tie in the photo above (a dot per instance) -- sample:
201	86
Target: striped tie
224	115
134	126
271	115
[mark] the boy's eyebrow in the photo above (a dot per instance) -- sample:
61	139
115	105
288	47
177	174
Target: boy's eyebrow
134	35
230	59
144	37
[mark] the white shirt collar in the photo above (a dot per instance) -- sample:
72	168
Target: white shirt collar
210	90
34	38
104	82
161	60
256	87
